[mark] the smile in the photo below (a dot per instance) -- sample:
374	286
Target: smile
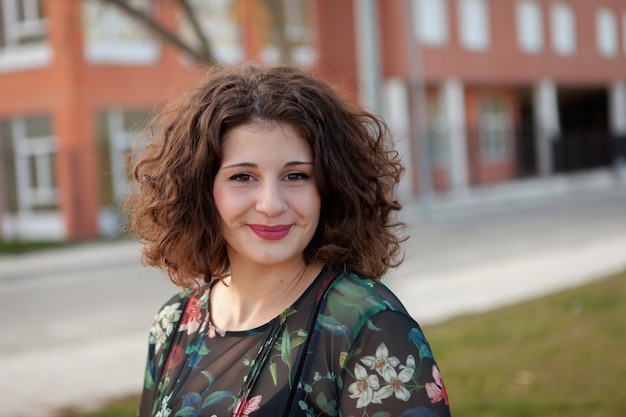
270	232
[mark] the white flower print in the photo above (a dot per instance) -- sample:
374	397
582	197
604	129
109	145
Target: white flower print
364	386
395	381
168	316
382	361
163	325
164	411
157	337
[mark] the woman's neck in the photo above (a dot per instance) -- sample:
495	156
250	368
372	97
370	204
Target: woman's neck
253	296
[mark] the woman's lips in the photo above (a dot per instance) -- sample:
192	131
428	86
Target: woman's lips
270	232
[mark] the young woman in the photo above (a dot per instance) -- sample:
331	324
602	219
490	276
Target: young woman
270	200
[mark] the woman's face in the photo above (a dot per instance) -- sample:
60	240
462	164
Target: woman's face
266	194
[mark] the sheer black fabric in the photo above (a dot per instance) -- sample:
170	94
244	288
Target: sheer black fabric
367	357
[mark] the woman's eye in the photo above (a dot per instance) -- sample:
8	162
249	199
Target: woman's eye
297	176
240	177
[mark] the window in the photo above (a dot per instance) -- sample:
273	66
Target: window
29	149
495	129
474	24
218	23
23	35
529	26
624	31
298	32
288	33
431	22
606	32
8	186
112	37
116	130
437	133
563	27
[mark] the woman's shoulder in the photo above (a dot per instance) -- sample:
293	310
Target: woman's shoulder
352	303
354	288
176	300
176	304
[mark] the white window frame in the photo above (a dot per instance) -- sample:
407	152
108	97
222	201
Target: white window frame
497	125
529	22
606	32
563	29
430	22
220	29
298	30
624	32
438	130
14	55
474	24
111	37
39	150
295	27
120	143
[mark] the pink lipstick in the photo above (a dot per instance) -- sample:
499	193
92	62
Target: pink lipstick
270	232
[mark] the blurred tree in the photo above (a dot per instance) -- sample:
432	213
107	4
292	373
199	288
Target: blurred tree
274	27
200	50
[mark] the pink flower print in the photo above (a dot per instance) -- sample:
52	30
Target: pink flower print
325	285
246	405
437	390
191	318
177	354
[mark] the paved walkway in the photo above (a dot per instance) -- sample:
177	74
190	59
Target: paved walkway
467	253
510	243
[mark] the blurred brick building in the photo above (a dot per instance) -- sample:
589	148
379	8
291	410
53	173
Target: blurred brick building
478	91
504	89
77	78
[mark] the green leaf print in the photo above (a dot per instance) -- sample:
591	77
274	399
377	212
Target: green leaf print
285	348
148	379
329	409
425	352
274	372
186	412
216	397
331	324
299	339
208	376
372	326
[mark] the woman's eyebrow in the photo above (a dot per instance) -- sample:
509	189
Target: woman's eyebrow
289	164
240	165
253	165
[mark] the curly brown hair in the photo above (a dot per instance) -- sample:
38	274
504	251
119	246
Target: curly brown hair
173	212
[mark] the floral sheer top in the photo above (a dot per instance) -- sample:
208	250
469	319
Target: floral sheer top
365	357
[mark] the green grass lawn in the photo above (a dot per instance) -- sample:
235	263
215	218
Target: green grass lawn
563	355
12	247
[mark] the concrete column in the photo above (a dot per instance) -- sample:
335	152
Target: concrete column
617	115
617	108
453	102
547	125
368	53
396	105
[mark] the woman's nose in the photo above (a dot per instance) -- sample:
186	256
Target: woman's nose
270	199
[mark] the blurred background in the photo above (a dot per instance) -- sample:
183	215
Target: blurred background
477	92
510	116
